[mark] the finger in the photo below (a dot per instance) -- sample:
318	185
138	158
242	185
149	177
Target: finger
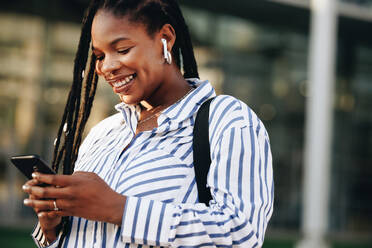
49	215
44	215
46	192
39	205
53	214
32	182
56	180
32	197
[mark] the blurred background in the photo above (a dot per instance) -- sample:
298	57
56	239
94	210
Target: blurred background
255	50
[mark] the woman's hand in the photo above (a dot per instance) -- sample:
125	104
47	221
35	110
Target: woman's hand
83	194
49	220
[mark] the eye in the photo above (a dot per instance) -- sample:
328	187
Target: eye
124	51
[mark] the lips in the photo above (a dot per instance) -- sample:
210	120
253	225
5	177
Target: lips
122	84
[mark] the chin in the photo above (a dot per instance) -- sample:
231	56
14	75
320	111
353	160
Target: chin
129	100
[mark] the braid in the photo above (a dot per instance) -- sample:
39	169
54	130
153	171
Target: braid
75	116
90	90
190	67
71	113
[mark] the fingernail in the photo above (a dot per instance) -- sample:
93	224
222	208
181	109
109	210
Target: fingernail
25	187
34	175
26	201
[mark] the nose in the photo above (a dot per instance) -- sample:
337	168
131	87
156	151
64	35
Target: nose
109	67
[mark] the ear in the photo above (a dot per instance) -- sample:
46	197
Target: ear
167	32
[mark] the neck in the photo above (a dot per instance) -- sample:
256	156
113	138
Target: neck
173	89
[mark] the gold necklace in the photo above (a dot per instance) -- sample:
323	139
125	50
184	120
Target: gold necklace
157	113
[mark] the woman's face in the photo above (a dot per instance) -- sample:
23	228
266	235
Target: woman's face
128	58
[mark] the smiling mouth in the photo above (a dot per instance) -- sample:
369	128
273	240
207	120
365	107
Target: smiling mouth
122	82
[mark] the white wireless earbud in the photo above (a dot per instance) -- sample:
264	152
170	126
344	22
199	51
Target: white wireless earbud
167	54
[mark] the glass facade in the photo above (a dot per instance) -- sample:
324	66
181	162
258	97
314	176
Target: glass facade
35	76
367	3
352	151
262	64
266	67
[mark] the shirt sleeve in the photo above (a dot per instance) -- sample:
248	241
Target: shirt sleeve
40	239
241	183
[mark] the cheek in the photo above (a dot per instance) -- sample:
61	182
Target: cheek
152	64
147	58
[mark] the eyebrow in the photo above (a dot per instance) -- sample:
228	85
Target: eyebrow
113	42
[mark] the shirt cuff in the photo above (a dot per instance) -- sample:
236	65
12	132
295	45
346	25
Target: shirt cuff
146	221
40	239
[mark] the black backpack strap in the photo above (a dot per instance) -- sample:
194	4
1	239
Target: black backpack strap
201	152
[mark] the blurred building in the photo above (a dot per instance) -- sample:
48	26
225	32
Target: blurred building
255	50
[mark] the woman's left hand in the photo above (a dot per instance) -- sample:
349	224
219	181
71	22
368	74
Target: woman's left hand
83	194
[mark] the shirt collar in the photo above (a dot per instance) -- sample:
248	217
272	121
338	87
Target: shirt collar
177	112
186	107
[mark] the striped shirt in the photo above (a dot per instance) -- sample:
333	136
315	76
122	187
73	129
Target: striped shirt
156	174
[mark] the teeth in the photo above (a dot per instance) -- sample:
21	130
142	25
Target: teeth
123	81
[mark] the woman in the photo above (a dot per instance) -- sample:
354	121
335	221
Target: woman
133	183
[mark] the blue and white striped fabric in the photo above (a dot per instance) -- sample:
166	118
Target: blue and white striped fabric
156	173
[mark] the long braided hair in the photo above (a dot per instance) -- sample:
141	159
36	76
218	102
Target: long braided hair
154	14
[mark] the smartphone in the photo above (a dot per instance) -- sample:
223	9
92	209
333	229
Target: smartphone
29	164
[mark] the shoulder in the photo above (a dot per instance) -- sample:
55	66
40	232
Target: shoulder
103	128
108	123
228	110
